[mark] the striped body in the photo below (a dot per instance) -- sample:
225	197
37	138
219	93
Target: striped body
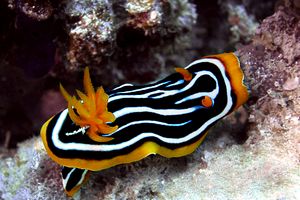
166	118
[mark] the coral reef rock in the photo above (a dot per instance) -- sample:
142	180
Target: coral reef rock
116	37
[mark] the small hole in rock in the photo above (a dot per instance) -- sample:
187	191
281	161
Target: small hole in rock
128	36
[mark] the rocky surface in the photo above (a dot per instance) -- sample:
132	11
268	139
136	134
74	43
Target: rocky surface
43	43
253	154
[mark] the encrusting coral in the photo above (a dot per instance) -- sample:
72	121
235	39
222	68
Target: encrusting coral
108	36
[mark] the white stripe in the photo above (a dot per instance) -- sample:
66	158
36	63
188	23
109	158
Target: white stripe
212	95
124	85
142	89
214	61
65	181
176	83
138	96
164	112
107	147
165	93
82	177
146	122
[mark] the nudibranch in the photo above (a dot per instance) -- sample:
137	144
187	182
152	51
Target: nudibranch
169	117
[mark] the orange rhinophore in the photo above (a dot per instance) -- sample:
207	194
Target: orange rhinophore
187	76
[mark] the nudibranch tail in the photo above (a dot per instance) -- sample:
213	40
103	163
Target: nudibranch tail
90	111
73	178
